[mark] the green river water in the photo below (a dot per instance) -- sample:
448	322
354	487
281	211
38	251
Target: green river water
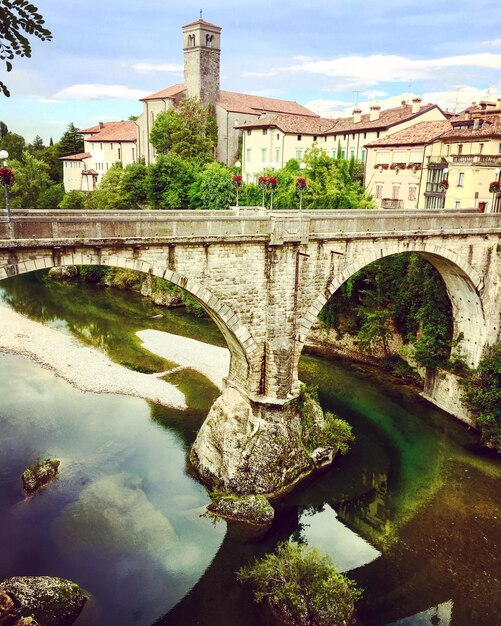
411	512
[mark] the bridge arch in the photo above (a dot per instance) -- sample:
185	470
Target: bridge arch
463	283
241	344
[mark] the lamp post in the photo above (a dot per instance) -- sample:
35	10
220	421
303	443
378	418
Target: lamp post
302	167
495	208
273	165
238	165
263	167
4	155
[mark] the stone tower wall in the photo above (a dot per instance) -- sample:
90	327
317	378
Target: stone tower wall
202	61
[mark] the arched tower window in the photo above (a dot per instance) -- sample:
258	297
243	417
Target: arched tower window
191	41
208	40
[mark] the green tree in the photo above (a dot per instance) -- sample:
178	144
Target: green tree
213	188
37	145
71	142
168	181
14	144
51	197
302	586
31	179
73	201
18	17
133	185
482	395
50	156
108	195
189	132
3	130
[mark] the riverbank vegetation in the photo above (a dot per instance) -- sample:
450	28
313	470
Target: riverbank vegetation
482	395
301	586
399	296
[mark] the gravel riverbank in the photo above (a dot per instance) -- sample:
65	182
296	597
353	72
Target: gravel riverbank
84	367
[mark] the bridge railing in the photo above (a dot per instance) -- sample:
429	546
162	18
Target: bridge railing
276	227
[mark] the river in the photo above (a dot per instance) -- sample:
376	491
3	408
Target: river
411	512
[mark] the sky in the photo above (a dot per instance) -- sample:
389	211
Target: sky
329	55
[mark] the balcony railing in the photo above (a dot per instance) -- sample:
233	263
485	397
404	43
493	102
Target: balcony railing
479	159
434	188
388	203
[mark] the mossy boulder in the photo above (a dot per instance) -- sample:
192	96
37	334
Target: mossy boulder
49	601
253	509
39	474
65	272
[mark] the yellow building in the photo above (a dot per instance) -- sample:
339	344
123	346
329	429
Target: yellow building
460	167
272	140
395	163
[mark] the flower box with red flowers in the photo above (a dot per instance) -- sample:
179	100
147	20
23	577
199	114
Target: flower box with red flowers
495	186
443	185
300	184
268	182
237	180
381	166
6	175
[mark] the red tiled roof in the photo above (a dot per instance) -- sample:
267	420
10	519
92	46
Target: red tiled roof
387	118
303	124
246	103
170	92
422	133
488	129
202	23
116	131
75	157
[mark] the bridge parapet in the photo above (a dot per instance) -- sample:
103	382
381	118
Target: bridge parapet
254	224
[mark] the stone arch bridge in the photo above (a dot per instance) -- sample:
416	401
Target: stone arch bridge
264	277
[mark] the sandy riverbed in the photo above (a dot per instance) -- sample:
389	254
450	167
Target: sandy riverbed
84	367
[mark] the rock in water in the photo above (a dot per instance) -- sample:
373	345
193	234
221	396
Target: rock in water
252	509
47	600
248	448
39	474
6	606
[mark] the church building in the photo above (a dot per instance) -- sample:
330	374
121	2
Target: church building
202	52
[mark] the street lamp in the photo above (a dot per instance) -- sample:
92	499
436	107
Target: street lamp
238	182
4	155
302	167
495	203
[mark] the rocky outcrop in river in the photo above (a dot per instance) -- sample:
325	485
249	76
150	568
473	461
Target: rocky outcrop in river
47	601
39	474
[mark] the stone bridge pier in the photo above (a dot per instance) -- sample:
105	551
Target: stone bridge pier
264	277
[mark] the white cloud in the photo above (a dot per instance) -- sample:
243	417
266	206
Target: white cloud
367	71
43	100
144	68
453	100
91	91
491	43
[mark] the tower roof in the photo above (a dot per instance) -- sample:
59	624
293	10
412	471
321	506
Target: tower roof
203	23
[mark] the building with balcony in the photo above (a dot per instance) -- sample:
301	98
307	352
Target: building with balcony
272	140
395	163
460	167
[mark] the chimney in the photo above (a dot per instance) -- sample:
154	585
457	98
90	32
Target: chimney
357	116
101	124
374	113
476	123
416	105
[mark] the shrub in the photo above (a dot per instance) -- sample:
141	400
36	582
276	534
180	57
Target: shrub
73	200
302	586
482	395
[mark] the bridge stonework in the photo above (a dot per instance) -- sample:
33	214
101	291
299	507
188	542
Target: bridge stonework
265	277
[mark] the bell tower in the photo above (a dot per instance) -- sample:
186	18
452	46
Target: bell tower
202	50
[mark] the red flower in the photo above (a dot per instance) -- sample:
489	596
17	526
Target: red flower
6	175
300	183
495	186
236	178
